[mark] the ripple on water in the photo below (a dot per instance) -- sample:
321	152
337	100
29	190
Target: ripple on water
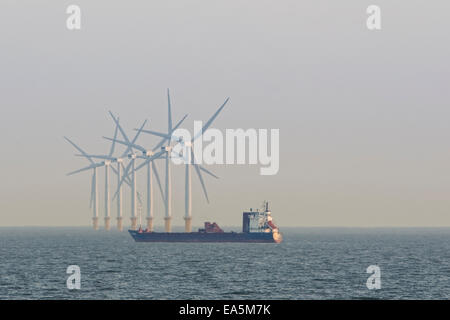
310	264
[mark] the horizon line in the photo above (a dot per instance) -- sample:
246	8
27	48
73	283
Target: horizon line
233	226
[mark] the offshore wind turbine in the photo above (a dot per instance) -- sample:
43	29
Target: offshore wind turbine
167	150
119	197
190	161
149	156
94	189
107	200
107	161
132	156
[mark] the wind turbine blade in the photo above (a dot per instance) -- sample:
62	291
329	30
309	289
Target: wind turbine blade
208	172
155	133
170	111
127	179
126	169
159	145
79	149
114	170
113	145
139	197
96	156
155	171
142	164
179	123
199	174
208	123
138	133
128	144
95	165
124	176
117	173
155	156
159	134
124	135
132	143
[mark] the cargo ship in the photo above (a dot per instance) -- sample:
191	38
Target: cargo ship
257	227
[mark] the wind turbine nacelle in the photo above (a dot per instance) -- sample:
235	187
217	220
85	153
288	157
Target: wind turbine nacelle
177	139
132	156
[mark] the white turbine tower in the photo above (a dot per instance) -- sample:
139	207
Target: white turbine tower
107	200
168	215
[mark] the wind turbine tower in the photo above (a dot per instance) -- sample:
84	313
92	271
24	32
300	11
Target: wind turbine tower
94	197
168	213
190	160
119	196
133	192
107	207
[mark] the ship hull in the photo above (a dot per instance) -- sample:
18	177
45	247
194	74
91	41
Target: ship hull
252	237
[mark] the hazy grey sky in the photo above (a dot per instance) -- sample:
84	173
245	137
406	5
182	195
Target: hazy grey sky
363	115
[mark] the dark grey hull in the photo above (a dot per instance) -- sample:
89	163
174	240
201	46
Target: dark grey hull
252	237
